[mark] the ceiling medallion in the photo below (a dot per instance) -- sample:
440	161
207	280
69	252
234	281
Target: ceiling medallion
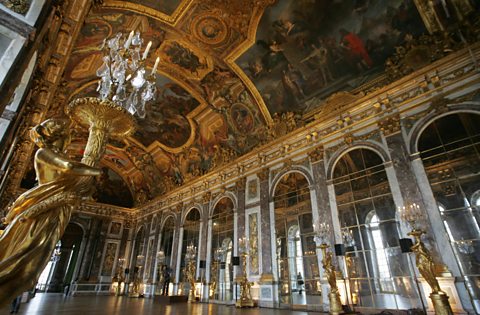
209	28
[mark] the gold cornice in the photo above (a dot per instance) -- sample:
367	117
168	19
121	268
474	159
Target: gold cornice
171	20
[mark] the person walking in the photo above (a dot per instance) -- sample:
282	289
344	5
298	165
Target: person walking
166	279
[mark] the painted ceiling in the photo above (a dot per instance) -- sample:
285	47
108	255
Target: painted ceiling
249	62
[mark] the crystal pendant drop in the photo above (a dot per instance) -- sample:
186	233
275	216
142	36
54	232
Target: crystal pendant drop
139	80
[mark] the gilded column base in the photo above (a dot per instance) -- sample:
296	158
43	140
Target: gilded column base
244	303
335	303
441	304
191	296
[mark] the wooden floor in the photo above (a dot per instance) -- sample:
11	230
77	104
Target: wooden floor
52	304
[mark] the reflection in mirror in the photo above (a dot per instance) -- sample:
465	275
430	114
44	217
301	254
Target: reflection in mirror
449	148
379	275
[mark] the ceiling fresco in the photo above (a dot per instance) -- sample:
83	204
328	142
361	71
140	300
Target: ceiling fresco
233	75
315	48
203	117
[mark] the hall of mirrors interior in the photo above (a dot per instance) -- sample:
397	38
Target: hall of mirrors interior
303	155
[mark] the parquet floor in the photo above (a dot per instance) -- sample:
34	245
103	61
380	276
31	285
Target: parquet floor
52	304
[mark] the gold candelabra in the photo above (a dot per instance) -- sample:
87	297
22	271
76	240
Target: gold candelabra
137	277
245	285
190	270
423	259
218	255
119	277
322	231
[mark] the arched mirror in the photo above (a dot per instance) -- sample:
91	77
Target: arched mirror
297	264
379	274
221	267
191	230
450	152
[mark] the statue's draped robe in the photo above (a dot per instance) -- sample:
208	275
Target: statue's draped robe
26	247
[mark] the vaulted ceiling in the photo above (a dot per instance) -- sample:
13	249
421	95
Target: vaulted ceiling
228	70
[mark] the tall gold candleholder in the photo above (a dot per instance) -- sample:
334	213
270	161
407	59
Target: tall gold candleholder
245	285
322	231
190	270
423	259
39	217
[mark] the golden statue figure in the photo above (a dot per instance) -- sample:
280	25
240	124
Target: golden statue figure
38	218
213	279
426	267
329	269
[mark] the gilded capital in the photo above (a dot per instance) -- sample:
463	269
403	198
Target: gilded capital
206	197
390	125
316	154
263	174
240	183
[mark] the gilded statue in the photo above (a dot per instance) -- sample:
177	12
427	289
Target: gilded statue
38	218
330	271
424	262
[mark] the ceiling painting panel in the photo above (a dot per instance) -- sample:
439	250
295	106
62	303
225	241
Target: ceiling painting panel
307	49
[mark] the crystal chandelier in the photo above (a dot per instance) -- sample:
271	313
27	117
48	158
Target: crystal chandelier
191	252
123	77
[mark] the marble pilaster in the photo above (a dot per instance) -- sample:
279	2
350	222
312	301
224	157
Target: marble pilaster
240	218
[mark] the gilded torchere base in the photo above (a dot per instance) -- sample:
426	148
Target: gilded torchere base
335	303
191	296
245	294
441	304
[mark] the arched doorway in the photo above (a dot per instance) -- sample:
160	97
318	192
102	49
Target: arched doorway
60	270
191	234
450	151
379	273
297	264
221	267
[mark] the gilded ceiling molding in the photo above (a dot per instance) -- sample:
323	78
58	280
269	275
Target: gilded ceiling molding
171	20
230	59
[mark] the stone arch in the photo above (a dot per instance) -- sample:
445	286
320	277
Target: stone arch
369	145
195	206
422	124
294	169
228	195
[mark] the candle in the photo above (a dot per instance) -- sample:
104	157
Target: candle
154	70
145	53
129	40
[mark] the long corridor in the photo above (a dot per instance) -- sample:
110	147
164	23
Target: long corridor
53	304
